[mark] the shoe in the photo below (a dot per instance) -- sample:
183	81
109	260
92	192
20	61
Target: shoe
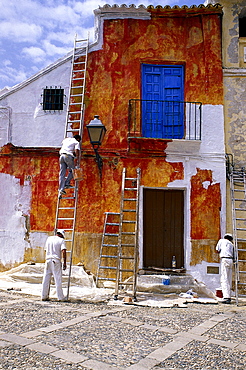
61	192
226	301
45	299
69	187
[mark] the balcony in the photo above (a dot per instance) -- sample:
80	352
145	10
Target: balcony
162	119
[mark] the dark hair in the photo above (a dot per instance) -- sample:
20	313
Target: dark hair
77	137
228	237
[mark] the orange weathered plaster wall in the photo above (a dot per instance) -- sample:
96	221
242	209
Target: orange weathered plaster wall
114	77
205	217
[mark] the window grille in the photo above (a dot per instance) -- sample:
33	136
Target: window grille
53	98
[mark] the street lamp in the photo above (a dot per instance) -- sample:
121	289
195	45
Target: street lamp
96	132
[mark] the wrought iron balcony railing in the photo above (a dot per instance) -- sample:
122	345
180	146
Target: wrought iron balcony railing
164	119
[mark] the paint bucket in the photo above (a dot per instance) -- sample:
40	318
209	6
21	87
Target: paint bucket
166	280
219	293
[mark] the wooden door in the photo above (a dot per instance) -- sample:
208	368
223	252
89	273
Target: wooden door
163	228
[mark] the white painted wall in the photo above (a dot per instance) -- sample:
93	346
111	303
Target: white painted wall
27	124
14	206
207	154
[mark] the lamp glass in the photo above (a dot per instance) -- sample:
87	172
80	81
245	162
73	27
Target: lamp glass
96	131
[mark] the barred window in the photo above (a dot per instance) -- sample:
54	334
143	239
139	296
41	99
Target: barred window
53	98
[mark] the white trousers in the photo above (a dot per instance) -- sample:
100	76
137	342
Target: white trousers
226	276
52	267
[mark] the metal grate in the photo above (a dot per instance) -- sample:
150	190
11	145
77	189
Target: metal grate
163	119
53	98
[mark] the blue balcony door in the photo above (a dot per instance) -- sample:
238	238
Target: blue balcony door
162	94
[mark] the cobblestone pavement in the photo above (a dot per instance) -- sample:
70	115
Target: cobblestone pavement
80	335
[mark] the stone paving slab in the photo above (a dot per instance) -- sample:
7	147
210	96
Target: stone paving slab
98	337
40	347
222	343
4	344
13	338
69	356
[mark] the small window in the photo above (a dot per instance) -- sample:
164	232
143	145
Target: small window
242	27
53	98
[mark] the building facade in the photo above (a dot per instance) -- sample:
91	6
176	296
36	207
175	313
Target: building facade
154	77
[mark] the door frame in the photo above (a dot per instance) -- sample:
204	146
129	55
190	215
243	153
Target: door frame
141	233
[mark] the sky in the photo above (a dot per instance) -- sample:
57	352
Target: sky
35	33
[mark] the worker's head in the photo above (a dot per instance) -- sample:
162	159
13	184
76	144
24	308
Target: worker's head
77	137
228	237
60	233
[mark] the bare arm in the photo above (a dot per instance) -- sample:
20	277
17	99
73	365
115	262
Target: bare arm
76	159
64	256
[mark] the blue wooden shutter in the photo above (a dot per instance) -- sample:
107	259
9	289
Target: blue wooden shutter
162	94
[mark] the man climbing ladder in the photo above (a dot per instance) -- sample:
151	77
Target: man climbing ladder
69	157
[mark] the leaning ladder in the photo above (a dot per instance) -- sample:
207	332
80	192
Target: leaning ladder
238	198
67	205
107	265
127	261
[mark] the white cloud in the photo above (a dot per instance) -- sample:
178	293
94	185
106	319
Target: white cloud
36	54
20	32
34	33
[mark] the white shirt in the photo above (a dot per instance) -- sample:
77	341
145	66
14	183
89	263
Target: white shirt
69	145
225	248
53	247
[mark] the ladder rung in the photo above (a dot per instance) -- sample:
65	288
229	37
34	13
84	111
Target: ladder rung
108	268
241	219
77	86
75	112
126	258
113	223
131	178
76	63
107	256
241	240
129	222
242	272
130	199
241	250
130	189
108	234
241	229
128	233
65	218
241	295
75	95
110	245
66	207
126	270
129	210
112	213
104	278
125	283
79	103
78	79
240	209
128	245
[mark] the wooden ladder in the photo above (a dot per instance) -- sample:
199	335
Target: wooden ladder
238	198
66	208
